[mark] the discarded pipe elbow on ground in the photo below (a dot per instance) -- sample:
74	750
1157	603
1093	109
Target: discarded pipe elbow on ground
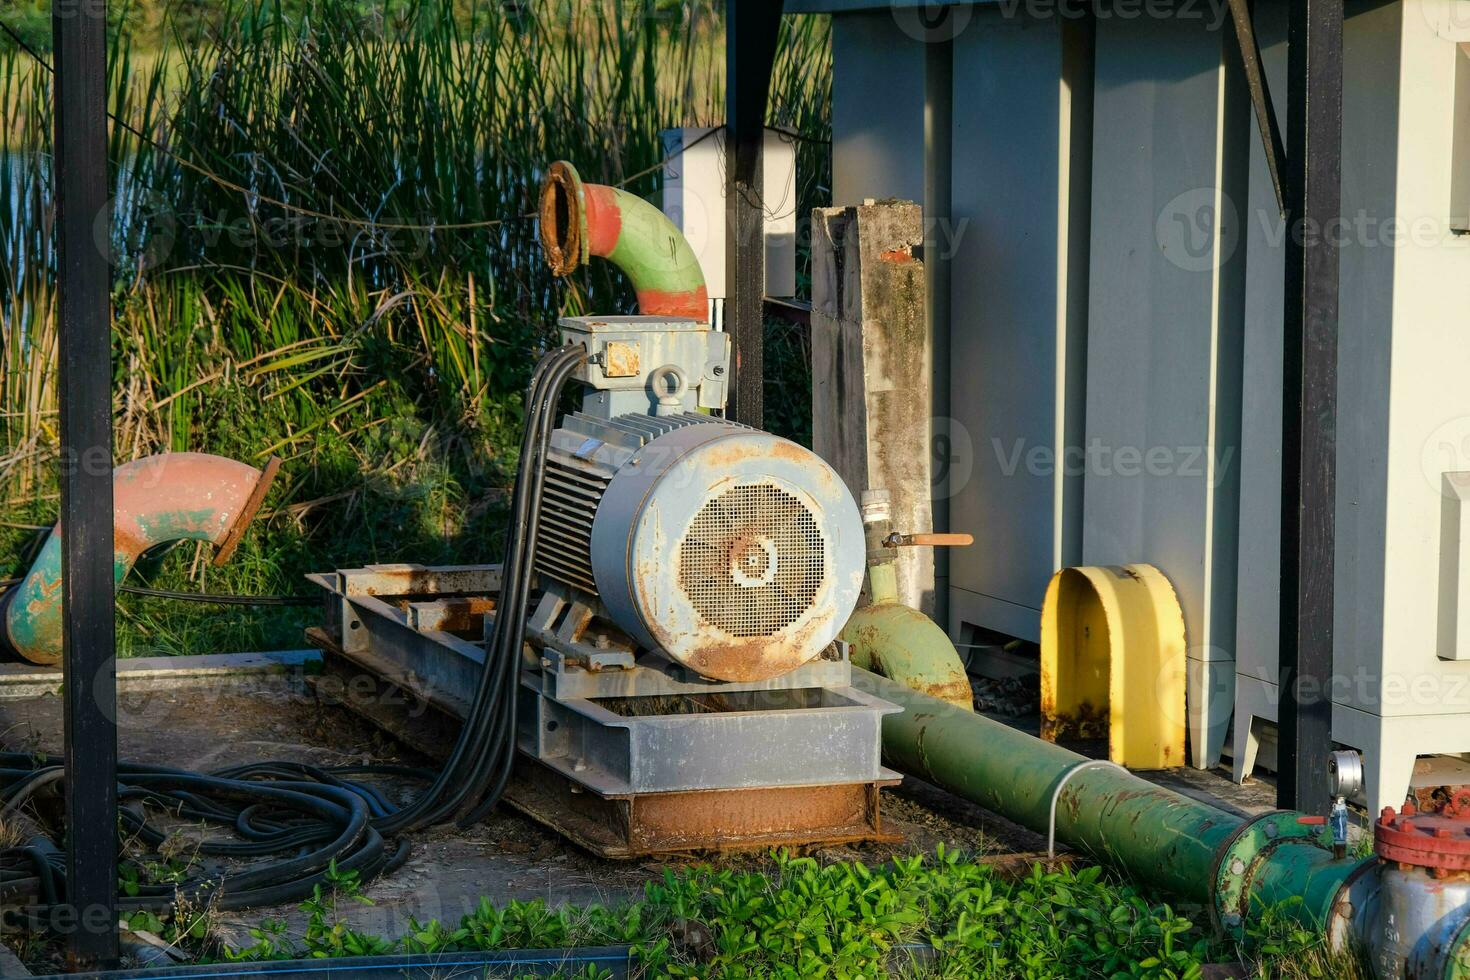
580	220
156	500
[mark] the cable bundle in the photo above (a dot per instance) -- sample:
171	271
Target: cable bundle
307	818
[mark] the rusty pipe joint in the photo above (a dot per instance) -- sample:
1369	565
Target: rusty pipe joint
156	500
580	220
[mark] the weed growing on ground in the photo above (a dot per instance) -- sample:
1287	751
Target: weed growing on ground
941	916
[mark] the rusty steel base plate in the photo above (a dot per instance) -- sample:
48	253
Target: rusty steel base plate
617	827
623	827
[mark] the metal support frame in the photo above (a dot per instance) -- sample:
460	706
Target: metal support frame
85	394
1309	418
1260	89
752	29
636	738
938	225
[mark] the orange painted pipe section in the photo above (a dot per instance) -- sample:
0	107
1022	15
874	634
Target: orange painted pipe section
156	500
580	220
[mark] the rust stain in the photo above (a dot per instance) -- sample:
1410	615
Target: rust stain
755	658
953	691
621	359
561	220
897	255
1086	723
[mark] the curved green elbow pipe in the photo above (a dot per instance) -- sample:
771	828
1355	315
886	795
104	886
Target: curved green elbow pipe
902	644
579	220
156	500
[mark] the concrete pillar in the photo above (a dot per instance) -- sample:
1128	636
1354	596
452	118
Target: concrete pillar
871	372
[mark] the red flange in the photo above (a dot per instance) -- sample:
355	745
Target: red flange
1438	840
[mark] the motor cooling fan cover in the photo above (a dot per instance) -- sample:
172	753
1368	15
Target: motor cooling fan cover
734	551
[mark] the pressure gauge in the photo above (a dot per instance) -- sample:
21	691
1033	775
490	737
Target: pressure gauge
1345	770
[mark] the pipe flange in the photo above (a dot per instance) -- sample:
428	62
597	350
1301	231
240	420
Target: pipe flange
1238	858
247	514
7	651
1437	841
1457	955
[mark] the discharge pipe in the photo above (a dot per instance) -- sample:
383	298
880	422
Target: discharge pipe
895	640
156	500
579	220
1236	867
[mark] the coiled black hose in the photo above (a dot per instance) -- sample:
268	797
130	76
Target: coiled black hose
305	819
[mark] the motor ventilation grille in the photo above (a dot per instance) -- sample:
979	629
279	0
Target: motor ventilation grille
753	560
575	485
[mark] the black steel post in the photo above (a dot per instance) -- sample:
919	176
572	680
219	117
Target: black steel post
752	29
85	377
1309	419
938	247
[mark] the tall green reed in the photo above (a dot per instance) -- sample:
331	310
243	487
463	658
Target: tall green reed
322	246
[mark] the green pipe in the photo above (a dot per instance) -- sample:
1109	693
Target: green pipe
169	497
1458	958
901	643
579	220
1233	866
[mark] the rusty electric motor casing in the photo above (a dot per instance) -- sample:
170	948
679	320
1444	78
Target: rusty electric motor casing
731	550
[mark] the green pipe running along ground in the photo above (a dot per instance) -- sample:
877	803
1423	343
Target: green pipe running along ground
1233	866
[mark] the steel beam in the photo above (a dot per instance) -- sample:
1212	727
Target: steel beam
752	29
1265	109
85	380
1309	382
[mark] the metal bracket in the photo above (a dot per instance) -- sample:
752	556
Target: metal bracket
1051	822
1255	77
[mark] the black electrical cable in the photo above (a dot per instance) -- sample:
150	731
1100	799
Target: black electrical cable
494	772
308	819
223	599
210	598
494	700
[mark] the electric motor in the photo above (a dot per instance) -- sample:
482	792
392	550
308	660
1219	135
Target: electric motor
733	551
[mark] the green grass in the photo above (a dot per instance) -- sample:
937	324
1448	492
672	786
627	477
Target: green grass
802	918
321	251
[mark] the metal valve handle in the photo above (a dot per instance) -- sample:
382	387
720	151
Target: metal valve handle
933	540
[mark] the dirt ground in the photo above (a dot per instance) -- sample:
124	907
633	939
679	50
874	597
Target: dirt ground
206	724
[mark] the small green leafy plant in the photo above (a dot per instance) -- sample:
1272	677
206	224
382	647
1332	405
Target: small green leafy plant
942	915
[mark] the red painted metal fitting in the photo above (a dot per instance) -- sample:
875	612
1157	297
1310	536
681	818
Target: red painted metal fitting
1439	842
